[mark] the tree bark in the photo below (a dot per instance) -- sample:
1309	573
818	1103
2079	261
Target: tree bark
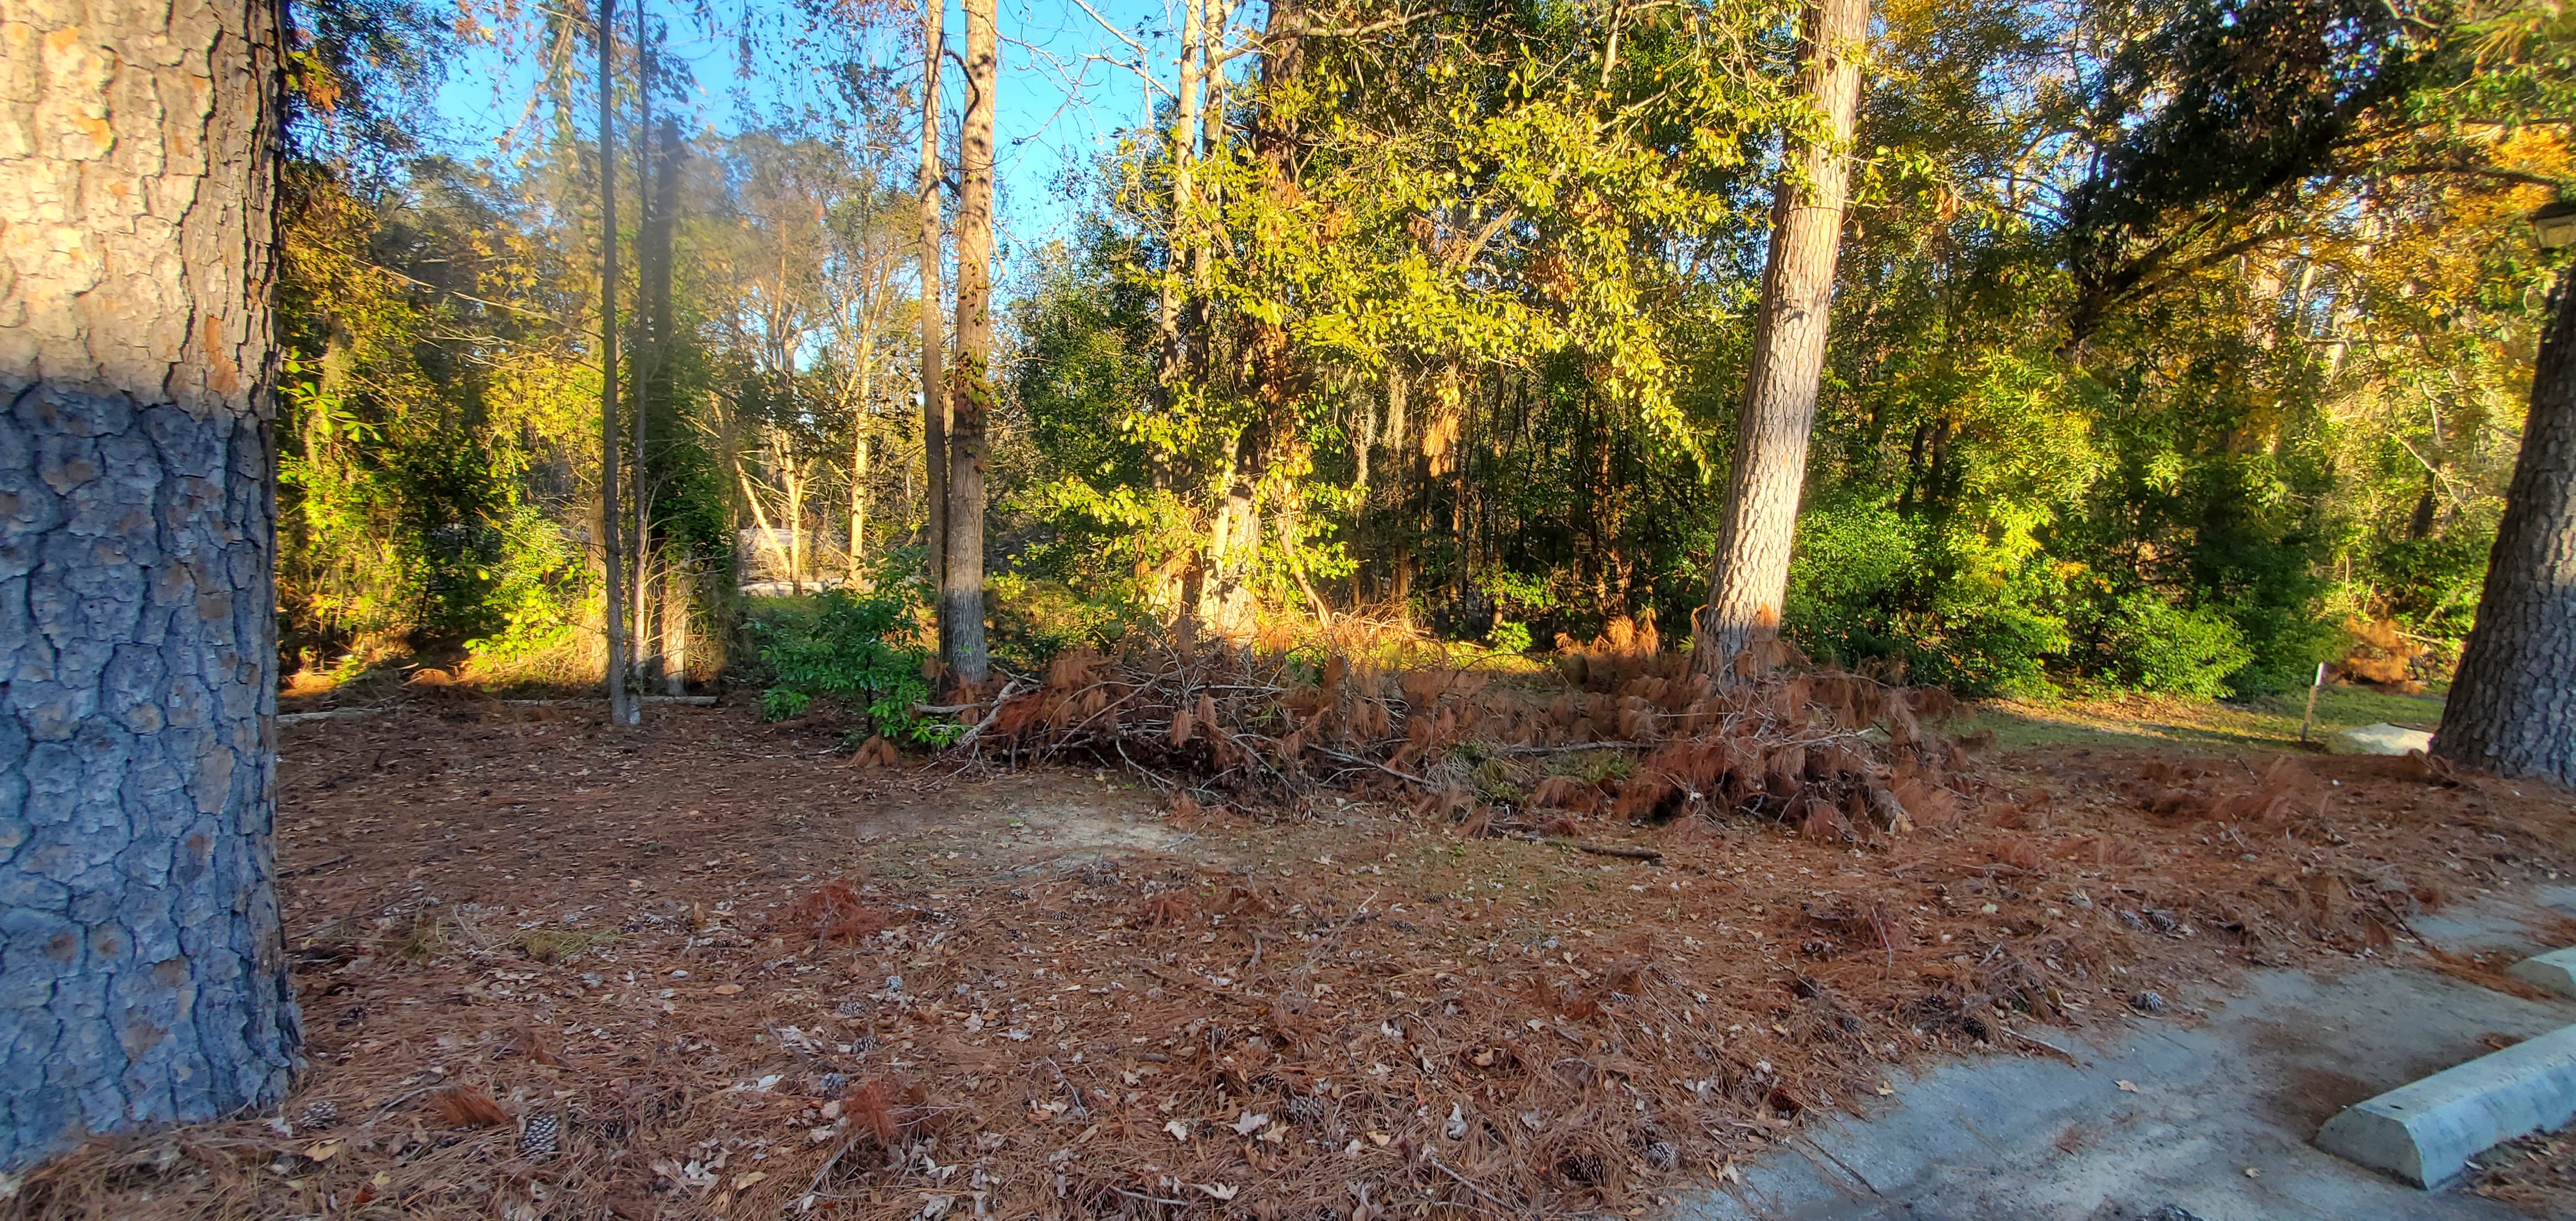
961	597
1750	574
934	400
143	979
653	379
622	708
647	355
2512	707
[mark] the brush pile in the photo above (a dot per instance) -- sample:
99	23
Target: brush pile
1632	734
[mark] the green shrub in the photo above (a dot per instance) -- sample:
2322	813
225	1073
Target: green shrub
851	649
2149	644
1036	617
1990	648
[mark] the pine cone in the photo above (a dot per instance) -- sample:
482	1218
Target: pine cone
538	1139
318	1115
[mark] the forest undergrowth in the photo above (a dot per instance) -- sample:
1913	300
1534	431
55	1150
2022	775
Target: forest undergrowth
1198	931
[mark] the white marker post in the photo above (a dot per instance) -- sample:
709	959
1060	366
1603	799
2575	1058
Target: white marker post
2311	713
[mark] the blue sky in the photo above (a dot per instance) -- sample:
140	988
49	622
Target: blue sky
1062	100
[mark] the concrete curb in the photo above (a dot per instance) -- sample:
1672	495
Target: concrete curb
2425	1132
2555	970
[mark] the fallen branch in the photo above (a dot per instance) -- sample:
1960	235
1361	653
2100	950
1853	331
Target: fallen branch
1009	689
1426	785
1570	746
1617	850
693	701
1464	1181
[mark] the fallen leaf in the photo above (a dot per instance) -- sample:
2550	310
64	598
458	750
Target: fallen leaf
1180	1129
1381	1138
727	989
1485	1059
1246	1126
324	1151
2130	1087
1222	1191
749	1179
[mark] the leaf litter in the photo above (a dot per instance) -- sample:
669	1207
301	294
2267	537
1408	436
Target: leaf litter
1380	968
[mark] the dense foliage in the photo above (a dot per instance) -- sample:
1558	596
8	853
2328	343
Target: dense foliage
2171	338
855	650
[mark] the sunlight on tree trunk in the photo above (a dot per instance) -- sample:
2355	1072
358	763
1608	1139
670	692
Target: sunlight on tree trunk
146	971
676	600
858	509
961	598
934	400
1751	572
2512	706
652	282
622	709
760	519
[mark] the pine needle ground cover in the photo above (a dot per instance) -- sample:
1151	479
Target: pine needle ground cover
712	968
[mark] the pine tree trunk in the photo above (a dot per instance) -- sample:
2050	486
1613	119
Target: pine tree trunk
622	708
647	354
144	978
653	379
934	399
961	596
1751	573
2512	708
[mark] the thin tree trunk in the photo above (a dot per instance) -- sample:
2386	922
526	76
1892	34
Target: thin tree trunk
858	512
1751	572
2512	707
650	357
859	439
622	710
961	605
146	971
658	236
1175	363
934	399
793	478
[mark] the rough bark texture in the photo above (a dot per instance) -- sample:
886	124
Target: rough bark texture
961	595
142	972
2512	708
934	401
1751	573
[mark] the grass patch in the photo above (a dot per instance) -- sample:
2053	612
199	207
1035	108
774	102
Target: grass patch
2270	722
